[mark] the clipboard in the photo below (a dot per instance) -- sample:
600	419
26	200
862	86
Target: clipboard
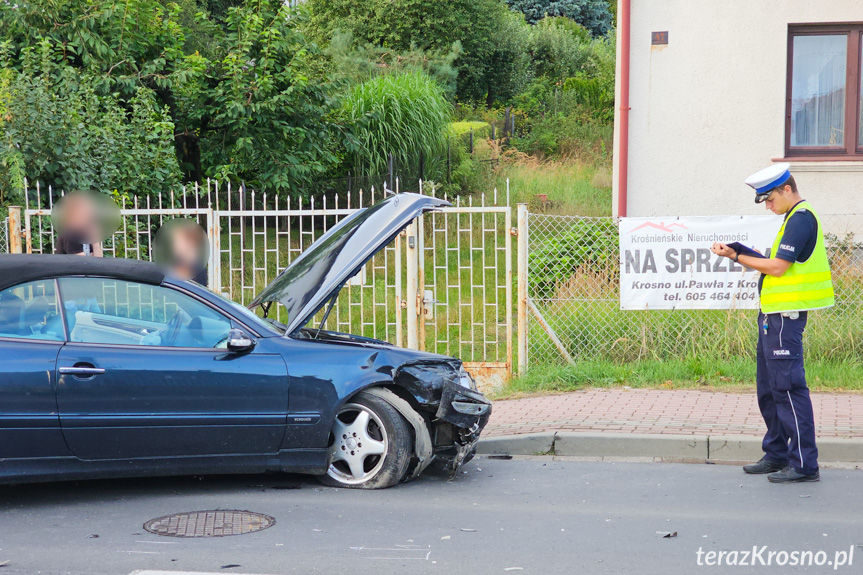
744	250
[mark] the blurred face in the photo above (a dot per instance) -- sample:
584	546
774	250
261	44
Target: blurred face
182	248
780	200
86	217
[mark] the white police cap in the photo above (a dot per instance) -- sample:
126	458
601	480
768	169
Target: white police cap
766	180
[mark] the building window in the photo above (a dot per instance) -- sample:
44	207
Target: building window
824	114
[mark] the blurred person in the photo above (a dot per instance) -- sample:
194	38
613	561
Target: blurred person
83	220
182	250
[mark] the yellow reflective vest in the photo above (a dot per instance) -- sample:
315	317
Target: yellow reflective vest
806	285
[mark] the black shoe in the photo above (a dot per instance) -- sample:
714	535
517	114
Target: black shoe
791	475
764	466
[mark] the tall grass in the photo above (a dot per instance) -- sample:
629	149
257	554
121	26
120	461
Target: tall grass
564	186
729	375
405	115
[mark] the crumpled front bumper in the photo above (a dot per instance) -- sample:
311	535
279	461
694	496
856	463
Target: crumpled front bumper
468	412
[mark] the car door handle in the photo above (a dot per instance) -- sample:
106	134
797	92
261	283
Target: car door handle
82	371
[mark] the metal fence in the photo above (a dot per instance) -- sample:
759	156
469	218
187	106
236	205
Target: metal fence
573	302
4	236
444	285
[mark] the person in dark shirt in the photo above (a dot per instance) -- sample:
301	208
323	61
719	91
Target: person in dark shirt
66	245
80	223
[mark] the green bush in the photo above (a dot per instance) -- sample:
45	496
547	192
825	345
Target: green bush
557	50
590	243
593	95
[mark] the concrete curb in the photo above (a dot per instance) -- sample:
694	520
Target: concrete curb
523	444
717	448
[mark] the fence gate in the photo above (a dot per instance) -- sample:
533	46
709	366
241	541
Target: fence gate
443	285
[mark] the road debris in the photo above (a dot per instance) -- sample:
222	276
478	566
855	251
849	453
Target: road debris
667	534
469	530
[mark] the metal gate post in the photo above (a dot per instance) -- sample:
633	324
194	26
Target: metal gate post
521	267
14	230
421	284
215	263
398	289
510	366
411	281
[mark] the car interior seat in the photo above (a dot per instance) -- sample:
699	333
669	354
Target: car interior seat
11	315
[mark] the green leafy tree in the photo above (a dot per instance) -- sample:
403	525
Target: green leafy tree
505	66
58	130
492	63
254	114
353	63
122	44
592	14
232	76
557	48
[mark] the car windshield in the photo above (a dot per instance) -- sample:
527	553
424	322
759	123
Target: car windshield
262	325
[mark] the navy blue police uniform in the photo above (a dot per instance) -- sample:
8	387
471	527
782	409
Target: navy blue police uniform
783	396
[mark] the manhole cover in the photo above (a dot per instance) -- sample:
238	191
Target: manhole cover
209	523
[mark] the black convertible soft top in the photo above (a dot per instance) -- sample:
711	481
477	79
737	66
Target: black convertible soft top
20	268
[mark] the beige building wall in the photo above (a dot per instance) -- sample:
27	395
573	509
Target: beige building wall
708	109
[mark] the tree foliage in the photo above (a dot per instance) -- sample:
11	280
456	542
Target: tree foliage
254	113
491	63
239	101
350	62
122	44
59	130
592	14
559	48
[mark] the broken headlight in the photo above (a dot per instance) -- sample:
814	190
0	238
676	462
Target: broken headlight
465	379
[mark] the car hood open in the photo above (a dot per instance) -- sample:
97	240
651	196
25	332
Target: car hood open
320	271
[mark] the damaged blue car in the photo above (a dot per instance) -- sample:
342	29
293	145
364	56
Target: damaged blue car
109	368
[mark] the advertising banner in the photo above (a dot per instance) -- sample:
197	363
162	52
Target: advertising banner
666	263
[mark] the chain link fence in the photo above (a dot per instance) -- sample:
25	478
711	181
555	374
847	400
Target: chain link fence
4	236
574	289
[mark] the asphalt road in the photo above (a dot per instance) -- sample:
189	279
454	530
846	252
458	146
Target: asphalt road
517	516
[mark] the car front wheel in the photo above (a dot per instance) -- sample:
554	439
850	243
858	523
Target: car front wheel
370	445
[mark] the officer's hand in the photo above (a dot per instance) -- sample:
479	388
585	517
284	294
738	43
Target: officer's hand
722	250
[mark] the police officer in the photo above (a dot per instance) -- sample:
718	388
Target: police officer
795	279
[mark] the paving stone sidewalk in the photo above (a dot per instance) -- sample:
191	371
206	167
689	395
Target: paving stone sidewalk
676	412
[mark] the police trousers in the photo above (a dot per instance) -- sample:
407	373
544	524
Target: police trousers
783	396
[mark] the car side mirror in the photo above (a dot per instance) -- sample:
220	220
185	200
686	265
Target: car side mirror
239	341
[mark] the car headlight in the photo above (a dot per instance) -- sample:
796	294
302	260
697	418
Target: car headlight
465	380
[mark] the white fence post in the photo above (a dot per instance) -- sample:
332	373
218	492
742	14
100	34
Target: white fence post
214	278
411	281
